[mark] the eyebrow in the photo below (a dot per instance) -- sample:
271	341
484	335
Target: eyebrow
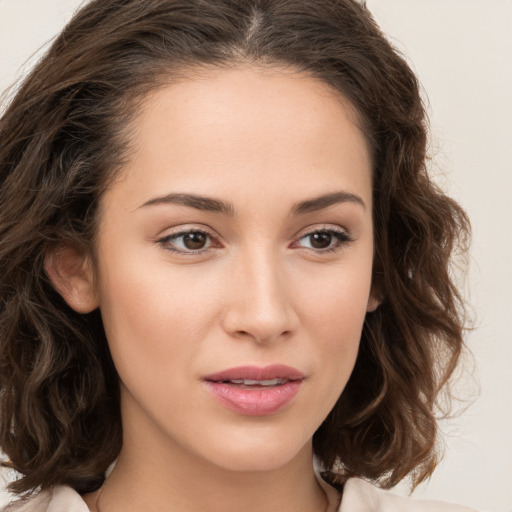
194	201
216	205
326	200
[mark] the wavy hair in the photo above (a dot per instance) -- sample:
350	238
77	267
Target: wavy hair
63	139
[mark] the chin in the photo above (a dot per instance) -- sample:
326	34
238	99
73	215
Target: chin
260	456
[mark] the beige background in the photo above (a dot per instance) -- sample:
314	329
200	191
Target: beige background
462	51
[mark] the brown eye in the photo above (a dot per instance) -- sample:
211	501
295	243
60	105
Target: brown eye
325	240
195	240
187	242
321	240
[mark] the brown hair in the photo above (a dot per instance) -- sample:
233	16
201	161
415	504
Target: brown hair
63	140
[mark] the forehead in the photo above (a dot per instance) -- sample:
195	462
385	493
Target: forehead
251	97
224	130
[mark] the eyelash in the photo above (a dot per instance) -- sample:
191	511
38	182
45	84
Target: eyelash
342	238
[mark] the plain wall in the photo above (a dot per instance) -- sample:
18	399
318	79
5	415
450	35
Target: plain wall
462	52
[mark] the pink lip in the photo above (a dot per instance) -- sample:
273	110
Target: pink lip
275	371
255	400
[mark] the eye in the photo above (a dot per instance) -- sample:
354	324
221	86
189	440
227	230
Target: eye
325	240
193	241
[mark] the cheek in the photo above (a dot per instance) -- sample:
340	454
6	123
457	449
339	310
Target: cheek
336	299
336	335
334	313
151	319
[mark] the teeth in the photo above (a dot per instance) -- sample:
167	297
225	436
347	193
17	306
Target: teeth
249	382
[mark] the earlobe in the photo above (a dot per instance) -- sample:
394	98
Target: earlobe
373	303
70	272
374	300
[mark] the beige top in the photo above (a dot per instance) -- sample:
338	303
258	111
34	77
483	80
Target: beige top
358	496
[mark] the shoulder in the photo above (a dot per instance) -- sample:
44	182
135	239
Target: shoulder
59	499
361	496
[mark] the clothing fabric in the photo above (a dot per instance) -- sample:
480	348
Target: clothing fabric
358	496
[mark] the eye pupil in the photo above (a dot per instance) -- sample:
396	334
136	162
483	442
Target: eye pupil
321	240
195	240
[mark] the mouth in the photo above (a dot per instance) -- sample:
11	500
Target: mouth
255	391
250	383
251	375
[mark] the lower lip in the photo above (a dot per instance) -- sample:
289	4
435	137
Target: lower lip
254	401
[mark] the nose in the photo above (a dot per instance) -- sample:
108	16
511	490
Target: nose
258	301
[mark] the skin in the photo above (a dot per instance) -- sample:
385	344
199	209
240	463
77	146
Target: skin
260	293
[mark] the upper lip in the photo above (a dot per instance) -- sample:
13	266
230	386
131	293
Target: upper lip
274	371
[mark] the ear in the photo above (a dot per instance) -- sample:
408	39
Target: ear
71	273
374	300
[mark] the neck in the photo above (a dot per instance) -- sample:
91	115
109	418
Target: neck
135	487
128	491
152	473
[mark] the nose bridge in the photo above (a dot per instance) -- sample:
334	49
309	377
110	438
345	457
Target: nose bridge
260	303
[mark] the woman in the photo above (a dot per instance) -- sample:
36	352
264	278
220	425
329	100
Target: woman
224	265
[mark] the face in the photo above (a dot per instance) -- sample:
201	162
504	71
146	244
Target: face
234	265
